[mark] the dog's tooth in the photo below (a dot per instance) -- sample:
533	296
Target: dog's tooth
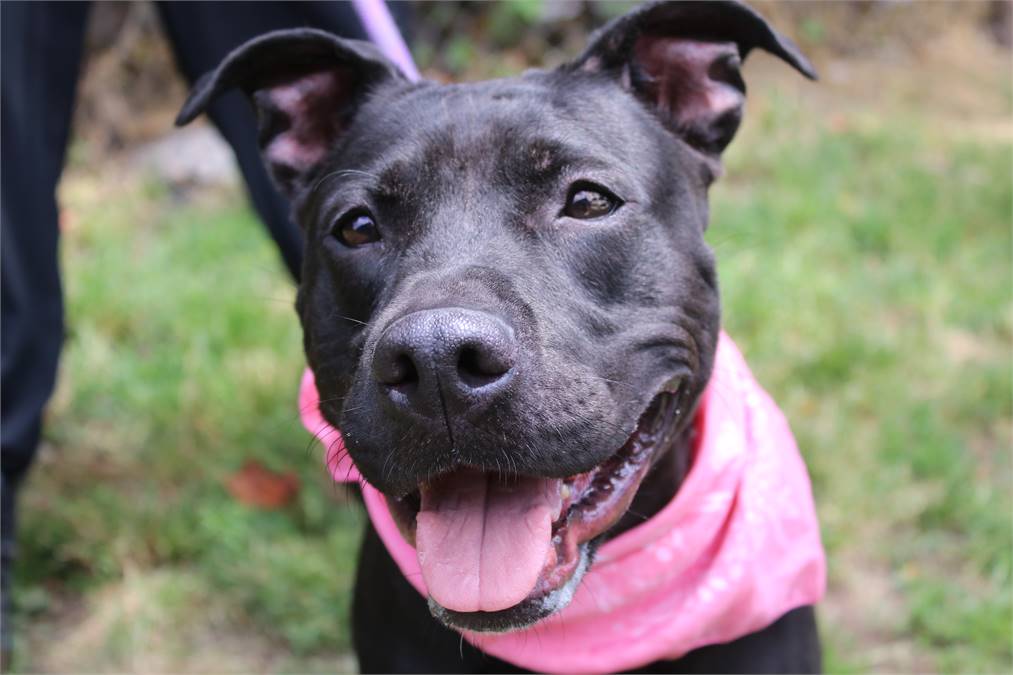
565	492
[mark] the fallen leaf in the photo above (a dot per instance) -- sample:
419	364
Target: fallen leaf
256	485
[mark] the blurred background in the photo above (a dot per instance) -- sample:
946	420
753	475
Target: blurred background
180	519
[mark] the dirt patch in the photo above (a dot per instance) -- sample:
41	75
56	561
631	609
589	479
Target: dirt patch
159	622
866	608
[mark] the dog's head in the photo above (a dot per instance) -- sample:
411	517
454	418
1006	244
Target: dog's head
507	299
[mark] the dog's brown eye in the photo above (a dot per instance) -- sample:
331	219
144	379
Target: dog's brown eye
356	229
587	200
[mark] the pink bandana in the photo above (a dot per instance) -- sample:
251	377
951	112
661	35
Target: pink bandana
737	547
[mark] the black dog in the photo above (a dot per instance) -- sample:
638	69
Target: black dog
504	282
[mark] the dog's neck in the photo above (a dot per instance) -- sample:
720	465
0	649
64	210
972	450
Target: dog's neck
660	484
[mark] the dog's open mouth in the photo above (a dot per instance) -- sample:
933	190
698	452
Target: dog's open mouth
500	552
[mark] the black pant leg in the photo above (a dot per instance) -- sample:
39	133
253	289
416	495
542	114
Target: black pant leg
202	34
41	55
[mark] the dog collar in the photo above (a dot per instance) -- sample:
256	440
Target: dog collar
736	548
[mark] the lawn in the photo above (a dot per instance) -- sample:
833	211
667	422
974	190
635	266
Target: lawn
865	265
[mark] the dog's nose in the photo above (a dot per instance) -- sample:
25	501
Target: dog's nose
453	359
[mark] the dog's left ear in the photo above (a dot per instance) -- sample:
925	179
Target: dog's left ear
682	60
305	85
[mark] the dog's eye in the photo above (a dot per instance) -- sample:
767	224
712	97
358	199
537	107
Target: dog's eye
356	228
587	200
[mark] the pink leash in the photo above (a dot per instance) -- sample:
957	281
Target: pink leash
383	32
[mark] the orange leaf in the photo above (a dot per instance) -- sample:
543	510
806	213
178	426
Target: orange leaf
255	485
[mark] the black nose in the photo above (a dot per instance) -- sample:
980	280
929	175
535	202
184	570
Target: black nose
453	358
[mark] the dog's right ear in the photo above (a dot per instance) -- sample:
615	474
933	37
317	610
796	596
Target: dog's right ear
305	85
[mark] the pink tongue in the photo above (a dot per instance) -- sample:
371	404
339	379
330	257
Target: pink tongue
482	543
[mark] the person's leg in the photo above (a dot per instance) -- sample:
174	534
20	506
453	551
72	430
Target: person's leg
202	34
41	54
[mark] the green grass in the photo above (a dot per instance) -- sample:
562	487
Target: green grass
182	363
866	274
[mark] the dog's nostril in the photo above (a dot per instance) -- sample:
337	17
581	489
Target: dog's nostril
404	370
401	371
477	368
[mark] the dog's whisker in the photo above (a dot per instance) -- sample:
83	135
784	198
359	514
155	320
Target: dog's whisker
351	319
323	436
311	406
341	173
